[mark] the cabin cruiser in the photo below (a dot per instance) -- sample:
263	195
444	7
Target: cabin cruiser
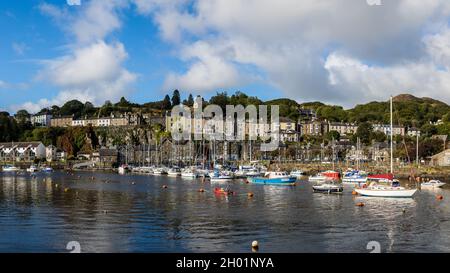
220	176
174	172
247	171
146	169
325	176
160	171
354	177
432	184
274	178
189	173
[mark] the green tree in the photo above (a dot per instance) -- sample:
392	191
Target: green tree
73	107
176	99
332	113
378	136
428	130
220	99
364	132
190	100
22	116
333	135
166	105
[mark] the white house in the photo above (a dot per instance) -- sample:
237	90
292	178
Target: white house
41	120
22	151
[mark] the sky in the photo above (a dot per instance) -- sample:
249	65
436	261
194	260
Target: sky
342	52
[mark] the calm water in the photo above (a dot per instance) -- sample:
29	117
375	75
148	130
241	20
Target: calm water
111	214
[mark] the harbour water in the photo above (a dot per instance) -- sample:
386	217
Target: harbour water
106	212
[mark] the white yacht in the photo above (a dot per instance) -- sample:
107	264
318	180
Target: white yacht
298	173
160	171
385	185
386	188
10	169
189	173
174	172
218	176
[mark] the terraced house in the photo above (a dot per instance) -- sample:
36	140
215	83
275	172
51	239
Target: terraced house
22	151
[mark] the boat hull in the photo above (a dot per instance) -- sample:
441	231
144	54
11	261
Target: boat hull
324	189
219	179
432	186
289	181
387	193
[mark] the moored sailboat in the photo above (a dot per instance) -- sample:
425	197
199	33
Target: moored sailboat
385	185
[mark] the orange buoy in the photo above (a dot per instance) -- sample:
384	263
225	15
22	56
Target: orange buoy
201	190
66	189
164	187
354	193
360	204
439	197
250	194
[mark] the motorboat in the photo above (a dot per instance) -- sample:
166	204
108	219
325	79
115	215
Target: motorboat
220	176
354	177
160	171
247	171
328	187
432	184
325	176
174	172
189	173
274	178
298	173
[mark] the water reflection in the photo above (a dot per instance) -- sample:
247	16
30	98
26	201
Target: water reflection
110	213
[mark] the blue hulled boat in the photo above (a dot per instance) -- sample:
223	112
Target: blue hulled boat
274	178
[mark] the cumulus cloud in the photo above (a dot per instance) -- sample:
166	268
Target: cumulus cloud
92	69
209	71
343	51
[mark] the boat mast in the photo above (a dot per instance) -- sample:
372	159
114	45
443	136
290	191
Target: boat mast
392	139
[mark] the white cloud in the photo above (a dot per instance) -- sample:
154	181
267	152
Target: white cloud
93	69
297	46
92	73
209	70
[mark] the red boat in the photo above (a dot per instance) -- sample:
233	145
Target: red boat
333	175
223	191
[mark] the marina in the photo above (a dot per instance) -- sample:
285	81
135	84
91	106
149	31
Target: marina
108	212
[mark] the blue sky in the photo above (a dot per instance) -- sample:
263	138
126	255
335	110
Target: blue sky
142	49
